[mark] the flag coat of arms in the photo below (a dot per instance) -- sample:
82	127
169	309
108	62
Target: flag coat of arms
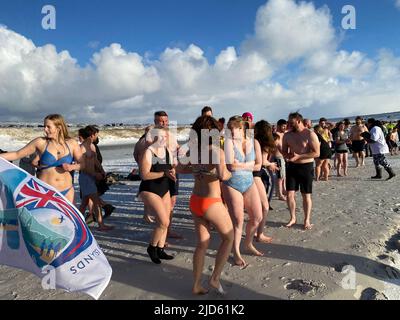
40	230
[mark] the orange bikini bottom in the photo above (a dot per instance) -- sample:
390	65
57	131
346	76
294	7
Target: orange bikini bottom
199	205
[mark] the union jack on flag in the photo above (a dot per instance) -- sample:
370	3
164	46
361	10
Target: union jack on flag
41	228
34	195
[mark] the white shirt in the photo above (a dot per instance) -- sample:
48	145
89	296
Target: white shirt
380	146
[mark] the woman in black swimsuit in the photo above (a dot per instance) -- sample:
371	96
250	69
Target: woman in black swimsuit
157	173
325	154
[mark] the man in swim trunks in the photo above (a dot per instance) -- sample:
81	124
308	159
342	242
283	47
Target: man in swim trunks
358	142
300	146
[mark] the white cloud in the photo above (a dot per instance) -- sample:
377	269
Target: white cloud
285	31
293	60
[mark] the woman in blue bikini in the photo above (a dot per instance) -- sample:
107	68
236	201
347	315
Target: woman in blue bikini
240	190
59	155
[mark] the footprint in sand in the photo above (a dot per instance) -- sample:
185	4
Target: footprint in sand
306	287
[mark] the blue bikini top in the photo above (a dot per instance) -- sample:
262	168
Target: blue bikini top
47	160
244	158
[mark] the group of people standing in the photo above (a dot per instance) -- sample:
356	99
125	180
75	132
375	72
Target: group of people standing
360	139
224	190
253	160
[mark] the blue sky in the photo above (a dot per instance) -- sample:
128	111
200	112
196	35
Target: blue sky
151	26
221	53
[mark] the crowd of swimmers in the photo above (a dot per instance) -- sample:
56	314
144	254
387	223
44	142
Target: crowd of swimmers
255	160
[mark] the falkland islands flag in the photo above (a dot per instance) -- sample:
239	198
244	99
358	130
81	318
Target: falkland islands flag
43	233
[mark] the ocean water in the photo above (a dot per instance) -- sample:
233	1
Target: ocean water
118	158
389	117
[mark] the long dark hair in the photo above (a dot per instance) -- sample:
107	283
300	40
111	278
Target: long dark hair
263	134
204	122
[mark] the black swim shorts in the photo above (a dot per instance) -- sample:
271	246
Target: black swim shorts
358	145
299	175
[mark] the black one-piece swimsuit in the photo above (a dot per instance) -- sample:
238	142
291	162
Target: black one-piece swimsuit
161	185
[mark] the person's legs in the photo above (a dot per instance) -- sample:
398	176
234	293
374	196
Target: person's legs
325	169
234	201
203	240
385	164
253	206
291	202
220	219
160	207
318	166
362	158
378	168
171	234
357	158
281	189
97	212
344	163
147	214
265	209
291	186
339	158
307	207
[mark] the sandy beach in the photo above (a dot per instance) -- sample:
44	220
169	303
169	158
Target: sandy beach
356	222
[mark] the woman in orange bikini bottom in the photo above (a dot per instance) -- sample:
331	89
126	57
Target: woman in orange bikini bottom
199	205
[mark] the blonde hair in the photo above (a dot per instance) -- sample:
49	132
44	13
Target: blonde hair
235	122
59	123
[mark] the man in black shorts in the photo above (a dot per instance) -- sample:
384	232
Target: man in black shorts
300	146
358	142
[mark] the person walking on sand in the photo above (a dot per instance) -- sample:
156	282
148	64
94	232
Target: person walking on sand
58	155
379	148
240	191
156	170
300	146
206	204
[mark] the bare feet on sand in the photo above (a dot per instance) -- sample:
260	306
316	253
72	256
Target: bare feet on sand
291	223
250	249
216	287
240	262
264	239
199	290
308	226
282	198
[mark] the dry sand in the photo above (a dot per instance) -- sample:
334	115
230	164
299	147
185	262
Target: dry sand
356	223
